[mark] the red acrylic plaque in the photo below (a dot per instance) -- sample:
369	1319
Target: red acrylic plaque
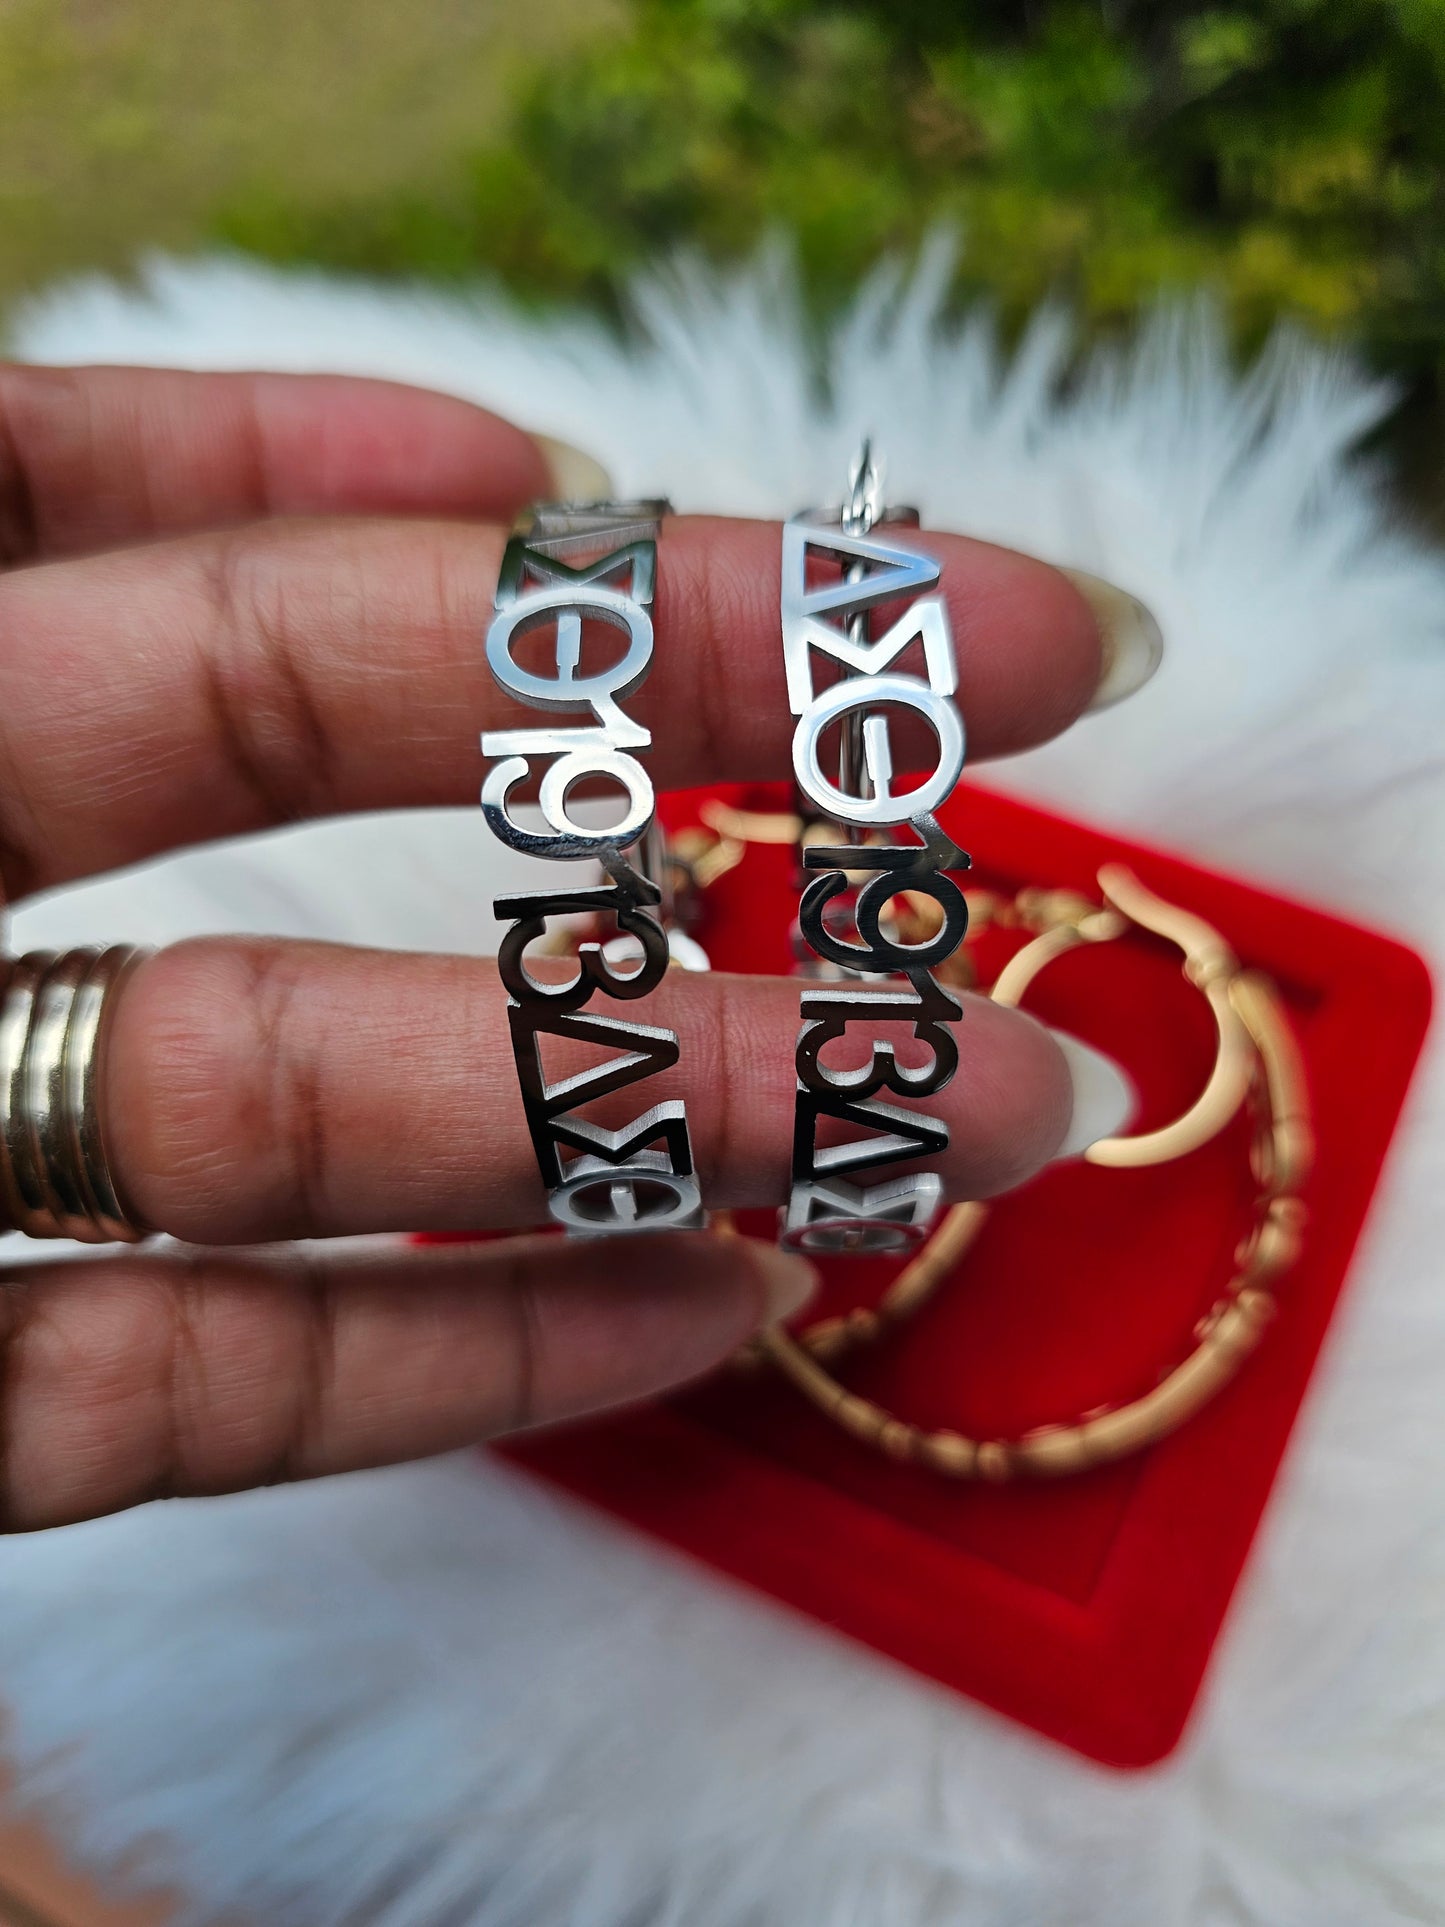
1085	1607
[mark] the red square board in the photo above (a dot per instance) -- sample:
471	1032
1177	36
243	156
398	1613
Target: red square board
1084	1607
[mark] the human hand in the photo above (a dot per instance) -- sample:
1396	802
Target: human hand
237	601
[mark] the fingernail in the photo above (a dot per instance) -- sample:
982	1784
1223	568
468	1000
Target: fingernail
788	1282
1131	643
575	477
1103	1096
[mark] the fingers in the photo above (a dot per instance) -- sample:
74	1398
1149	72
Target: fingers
147	1377
255	1091
211	686
92	457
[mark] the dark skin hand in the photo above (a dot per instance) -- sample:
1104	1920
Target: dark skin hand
232	601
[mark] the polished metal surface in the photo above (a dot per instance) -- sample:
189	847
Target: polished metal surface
839	568
640	1175
55	1178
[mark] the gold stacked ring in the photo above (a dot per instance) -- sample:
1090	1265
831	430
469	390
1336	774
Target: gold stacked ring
55	1178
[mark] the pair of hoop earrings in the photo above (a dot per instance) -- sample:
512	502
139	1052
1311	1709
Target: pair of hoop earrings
568	564
910	917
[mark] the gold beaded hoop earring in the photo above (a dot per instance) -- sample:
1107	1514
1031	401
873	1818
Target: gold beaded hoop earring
1256	1058
1062	920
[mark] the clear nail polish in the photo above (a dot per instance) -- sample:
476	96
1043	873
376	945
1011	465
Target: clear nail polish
1131	644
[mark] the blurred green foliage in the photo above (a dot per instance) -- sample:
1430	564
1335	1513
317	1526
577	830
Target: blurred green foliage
1289	152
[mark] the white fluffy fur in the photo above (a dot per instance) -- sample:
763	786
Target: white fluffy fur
439	1697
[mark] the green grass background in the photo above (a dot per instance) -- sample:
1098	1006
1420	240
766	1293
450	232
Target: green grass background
1288	153
135	124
